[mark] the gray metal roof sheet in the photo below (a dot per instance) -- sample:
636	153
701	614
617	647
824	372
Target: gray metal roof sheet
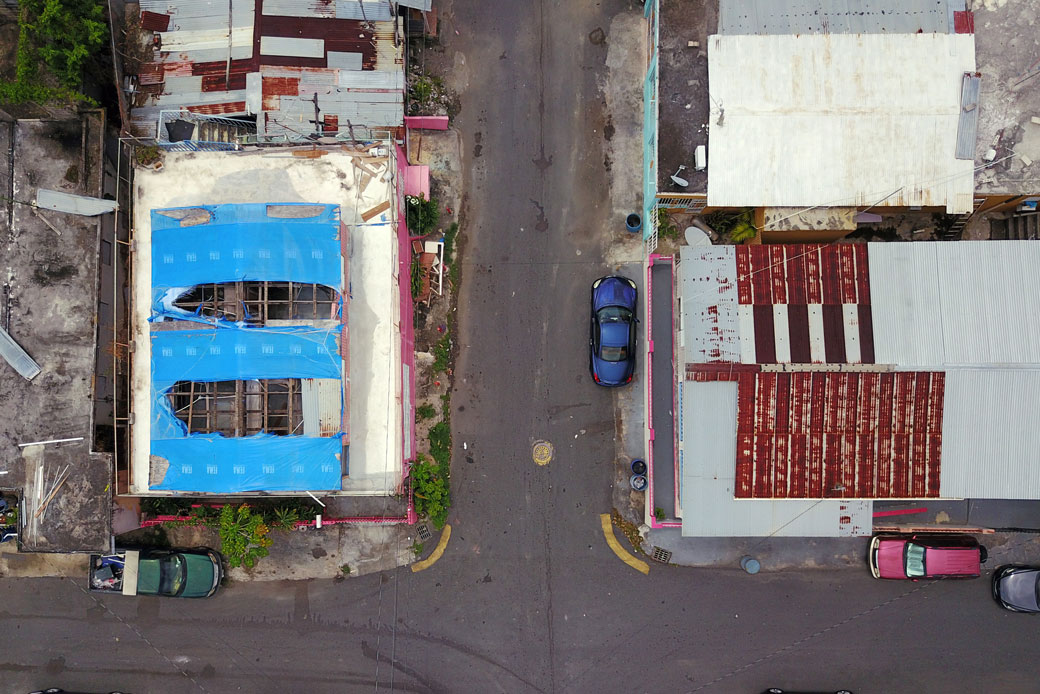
709	319
836	16
990	437
968	124
970	303
301	48
17	357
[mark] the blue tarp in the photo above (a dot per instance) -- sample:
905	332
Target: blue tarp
214	464
241	243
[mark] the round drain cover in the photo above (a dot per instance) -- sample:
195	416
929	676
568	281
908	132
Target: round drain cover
542	452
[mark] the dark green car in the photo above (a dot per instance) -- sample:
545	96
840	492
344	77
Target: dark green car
192	573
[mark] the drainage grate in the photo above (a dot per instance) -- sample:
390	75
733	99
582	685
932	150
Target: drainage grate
424	532
662	555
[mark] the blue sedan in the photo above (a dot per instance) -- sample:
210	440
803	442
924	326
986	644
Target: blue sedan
612	334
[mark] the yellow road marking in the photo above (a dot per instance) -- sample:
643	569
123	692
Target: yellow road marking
622	553
437	551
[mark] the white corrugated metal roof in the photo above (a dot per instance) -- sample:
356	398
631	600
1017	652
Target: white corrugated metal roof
300	48
710	324
970	303
838	120
990	436
707	470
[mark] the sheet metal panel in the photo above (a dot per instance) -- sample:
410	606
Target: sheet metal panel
708	297
969	303
968	124
345	61
709	409
833	17
17	357
367	10
322	406
303	48
992	437
839	435
838	120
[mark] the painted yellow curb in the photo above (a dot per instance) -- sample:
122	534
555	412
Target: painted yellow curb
437	551
623	554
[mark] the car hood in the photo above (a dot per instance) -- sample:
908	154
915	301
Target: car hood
612	292
890	558
200	576
1019	590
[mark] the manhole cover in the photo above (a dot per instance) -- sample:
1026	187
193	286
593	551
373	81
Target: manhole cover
662	555
424	532
542	452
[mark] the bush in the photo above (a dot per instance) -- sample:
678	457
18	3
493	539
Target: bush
421	215
666	228
431	490
442	354
426	411
243	536
416	278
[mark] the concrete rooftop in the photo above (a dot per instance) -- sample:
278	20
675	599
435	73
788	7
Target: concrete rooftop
49	305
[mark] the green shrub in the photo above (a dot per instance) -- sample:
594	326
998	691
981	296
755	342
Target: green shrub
431	490
442	354
416	278
421	215
243	536
666	228
425	411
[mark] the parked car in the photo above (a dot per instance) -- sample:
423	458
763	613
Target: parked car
1017	588
178	573
926	556
612	332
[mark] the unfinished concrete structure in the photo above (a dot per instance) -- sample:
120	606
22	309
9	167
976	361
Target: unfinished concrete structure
271	320
50	307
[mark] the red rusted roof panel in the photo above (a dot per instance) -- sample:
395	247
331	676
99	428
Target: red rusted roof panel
803	274
226	108
839	435
154	21
151	73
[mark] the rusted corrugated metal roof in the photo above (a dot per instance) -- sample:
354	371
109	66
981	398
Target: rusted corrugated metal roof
850	435
803	274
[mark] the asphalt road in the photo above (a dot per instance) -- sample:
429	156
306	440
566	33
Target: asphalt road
527	598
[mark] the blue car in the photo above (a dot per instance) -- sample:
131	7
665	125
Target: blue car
612	333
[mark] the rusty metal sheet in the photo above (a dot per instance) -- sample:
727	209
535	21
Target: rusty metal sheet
154	21
322	406
849	435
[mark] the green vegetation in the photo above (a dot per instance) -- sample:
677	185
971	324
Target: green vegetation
421	215
243	536
345	569
63	36
659	513
431	489
416	278
417	549
425	411
738	226
666	228
442	354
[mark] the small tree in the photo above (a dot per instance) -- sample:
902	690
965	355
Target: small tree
243	536
421	215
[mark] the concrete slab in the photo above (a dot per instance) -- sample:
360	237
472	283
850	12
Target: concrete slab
49	305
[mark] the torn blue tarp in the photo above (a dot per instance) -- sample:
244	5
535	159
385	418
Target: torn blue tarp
243	243
213	464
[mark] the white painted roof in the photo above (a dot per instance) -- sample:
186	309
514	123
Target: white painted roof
942	305
838	120
707	462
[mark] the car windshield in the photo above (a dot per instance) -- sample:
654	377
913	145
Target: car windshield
615	314
171	580
914	560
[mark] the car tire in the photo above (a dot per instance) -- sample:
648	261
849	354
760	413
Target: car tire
983	554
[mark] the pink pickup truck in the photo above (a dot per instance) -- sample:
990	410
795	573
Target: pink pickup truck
926	556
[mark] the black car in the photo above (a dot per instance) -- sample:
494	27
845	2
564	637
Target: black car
1016	587
612	333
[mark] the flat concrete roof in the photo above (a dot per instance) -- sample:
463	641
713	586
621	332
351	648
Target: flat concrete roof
1007	52
357	183
49	305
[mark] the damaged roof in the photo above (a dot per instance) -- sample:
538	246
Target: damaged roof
345	58
50	307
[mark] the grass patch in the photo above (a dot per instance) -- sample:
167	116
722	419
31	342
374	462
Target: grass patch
442	354
425	411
